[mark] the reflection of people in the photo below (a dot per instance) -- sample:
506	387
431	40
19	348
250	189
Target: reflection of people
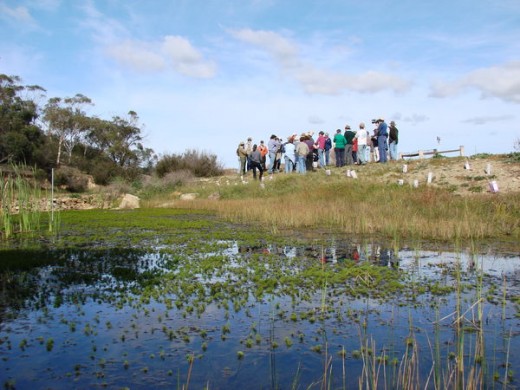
393	139
355	255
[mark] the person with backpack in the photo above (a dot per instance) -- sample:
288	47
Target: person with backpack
328	147
256	162
393	141
349	136
320	146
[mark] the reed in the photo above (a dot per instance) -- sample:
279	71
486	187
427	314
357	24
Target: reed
22	203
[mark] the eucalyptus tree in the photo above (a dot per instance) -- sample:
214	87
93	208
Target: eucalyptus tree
20	137
120	139
67	120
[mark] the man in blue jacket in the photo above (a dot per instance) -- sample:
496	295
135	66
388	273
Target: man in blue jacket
382	135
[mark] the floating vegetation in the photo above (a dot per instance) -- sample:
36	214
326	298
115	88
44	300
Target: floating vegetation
152	300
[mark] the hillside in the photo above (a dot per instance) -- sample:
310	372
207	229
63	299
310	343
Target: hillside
450	173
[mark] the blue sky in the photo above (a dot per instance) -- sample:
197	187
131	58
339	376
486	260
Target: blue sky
206	74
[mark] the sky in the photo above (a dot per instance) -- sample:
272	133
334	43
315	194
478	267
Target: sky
206	74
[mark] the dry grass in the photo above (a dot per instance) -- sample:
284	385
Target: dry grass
372	204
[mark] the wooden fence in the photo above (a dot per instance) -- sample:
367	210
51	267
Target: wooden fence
422	153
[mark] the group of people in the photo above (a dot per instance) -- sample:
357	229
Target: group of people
303	153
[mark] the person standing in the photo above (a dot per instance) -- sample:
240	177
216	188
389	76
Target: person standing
242	158
273	146
255	159
320	145
382	135
339	148
349	136
263	152
362	137
393	138
302	150
290	157
310	156
328	147
373	146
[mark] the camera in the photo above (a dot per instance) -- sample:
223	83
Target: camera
374	121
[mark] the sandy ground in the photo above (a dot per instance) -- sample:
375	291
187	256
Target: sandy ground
464	176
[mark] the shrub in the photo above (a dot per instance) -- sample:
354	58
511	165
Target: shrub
103	172
200	164
71	179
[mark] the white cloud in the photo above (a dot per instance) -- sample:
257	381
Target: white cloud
482	120
137	56
415	119
281	48
18	15
316	120
502	82
186	59
153	56
49	5
313	79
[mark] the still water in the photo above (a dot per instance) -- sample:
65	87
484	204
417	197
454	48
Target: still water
230	314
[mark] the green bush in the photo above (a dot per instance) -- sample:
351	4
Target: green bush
71	179
200	164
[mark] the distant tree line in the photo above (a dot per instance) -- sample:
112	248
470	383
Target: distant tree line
54	132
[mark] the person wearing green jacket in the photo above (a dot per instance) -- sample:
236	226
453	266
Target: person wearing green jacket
339	148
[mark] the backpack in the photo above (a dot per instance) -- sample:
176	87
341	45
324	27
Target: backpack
282	148
393	133
328	144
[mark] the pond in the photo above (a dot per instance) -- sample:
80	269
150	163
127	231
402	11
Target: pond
172	299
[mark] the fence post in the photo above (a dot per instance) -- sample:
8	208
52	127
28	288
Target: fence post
461	150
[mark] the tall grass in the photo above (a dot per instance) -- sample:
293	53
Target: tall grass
22	203
362	207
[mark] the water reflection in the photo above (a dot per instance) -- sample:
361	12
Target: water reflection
118	317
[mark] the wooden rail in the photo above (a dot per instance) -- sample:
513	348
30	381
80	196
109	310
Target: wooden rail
422	153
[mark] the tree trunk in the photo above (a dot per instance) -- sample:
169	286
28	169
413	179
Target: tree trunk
60	142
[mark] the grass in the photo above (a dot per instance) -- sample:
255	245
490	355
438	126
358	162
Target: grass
22	204
198	274
332	203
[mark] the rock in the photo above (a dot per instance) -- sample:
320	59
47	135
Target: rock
189	196
129	201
